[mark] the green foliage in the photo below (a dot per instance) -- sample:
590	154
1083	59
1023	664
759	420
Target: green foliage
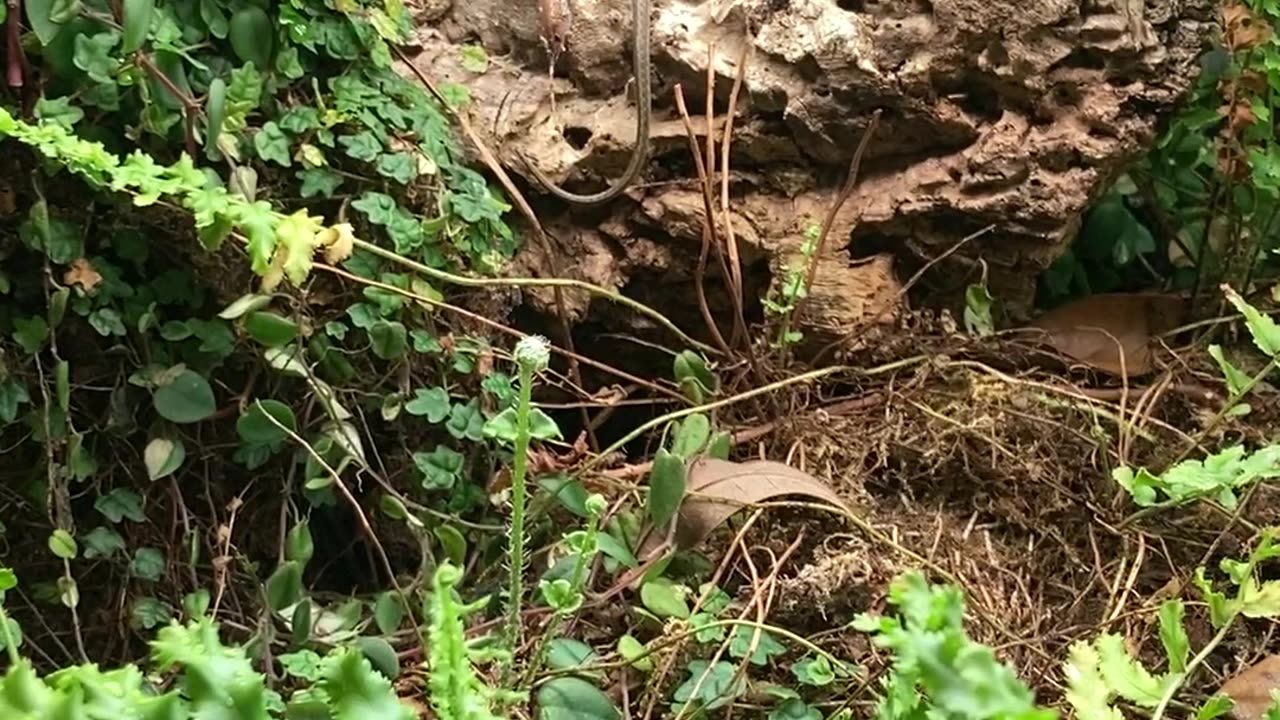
1102	670
791	289
937	670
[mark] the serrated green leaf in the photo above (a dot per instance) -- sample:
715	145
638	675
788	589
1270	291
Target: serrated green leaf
1173	635
1125	675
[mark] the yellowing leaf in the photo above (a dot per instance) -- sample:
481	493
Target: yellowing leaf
1087	692
338	242
82	273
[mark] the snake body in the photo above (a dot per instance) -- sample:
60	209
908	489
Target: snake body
644	101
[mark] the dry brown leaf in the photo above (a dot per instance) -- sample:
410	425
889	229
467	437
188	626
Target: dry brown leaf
82	273
1095	329
1251	689
719	488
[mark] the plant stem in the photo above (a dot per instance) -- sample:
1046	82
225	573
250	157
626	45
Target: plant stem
1191	667
515	558
10	642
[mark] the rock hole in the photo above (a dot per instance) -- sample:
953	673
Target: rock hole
856	6
577	137
980	100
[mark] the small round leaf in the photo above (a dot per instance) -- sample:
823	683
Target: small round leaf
187	398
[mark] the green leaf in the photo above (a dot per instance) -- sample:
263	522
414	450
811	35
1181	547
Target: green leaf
400	167
503	426
691	436
319	181
119	504
572	698
303	664
272	144
466	422
1173	635
432	403
298	544
187	398
1125	675
388	339
95	55
63	545
388	613
252	36
1265	331
1087	692
148	612
31	333
452	542
163	456
8	579
284	587
381	655
255	426
766	645
815	671
363	146
102	542
147	564
666	487
215	111
720	685
635	653
137	24
269	329
440	468
107	322
664	599
12	395
40	15
393	507
567	653
1236	379
1259	600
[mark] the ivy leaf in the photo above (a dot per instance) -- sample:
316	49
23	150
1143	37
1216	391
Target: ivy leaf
720	686
58	110
107	322
815	671
440	468
187	398
148	612
766	646
272	144
303	664
503	426
397	166
30	333
119	504
362	146
388	339
319	181
147	564
466	422
433	403
93	54
11	396
102	542
255	428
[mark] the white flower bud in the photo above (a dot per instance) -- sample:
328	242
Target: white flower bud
533	353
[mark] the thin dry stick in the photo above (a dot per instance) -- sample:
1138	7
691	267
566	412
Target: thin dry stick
363	520
731	242
708	228
850	183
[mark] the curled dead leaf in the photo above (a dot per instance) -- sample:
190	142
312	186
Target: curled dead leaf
82	273
719	488
1251	689
1102	330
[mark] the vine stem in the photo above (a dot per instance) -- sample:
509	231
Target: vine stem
1196	661
515	551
